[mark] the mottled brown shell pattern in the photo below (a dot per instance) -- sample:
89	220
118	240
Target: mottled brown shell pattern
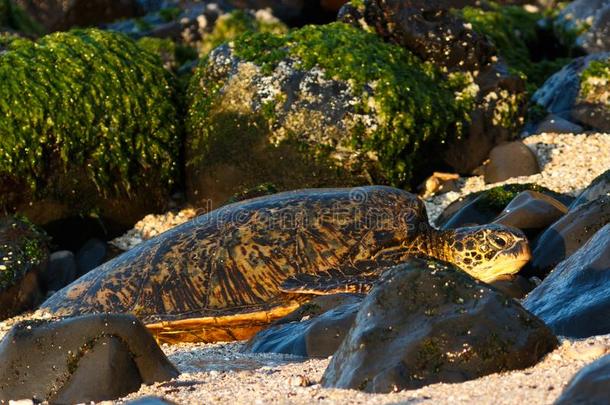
233	260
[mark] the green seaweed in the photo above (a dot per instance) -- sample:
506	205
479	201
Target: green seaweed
88	102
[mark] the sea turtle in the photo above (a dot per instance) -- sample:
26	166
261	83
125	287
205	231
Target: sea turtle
227	274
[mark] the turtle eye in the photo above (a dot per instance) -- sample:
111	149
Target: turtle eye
498	241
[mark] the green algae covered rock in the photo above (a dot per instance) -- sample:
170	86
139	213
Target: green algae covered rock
23	255
319	106
88	125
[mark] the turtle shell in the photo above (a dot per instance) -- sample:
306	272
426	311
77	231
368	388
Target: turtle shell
232	261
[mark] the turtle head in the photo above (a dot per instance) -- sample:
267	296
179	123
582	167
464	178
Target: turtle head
488	252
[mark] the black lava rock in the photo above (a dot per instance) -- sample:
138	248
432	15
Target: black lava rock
531	212
429	322
316	329
574	300
82	359
590	386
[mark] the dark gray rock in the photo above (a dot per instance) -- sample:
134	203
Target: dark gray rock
590	386
60	271
531	212
567	235
428	322
574	300
91	255
600	186
511	159
485	206
564	95
82	359
316	329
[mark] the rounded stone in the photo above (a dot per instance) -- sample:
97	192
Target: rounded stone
512	159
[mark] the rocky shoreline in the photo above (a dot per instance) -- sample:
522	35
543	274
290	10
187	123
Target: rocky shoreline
287	201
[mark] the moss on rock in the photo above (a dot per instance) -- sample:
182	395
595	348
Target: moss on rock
84	115
383	102
595	83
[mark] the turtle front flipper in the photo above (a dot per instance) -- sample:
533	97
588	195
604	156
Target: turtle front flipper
329	282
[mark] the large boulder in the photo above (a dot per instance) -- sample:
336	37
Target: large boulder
88	125
573	300
589	386
80	360
23	257
436	33
580	93
428	322
320	106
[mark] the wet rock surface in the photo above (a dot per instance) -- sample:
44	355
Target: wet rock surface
564	237
573	300
532	212
23	256
590	386
314	330
89	358
485	206
427	322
